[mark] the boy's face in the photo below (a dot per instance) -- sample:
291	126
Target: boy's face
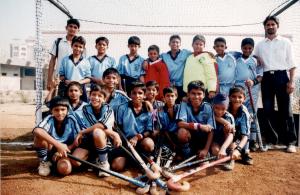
151	93
59	112
133	49
237	99
153	55
72	29
77	48
74	93
175	44
220	48
97	99
101	47
196	97
111	80
137	95
247	50
198	46
219	109
170	99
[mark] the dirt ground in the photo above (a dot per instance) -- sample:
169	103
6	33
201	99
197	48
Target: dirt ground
273	172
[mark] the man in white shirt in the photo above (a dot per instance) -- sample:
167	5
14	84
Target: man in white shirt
61	48
276	55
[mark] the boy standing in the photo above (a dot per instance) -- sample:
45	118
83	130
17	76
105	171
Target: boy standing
75	67
226	66
130	65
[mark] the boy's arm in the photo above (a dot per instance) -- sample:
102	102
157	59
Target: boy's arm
51	91
225	145
85	80
142	78
211	75
50	71
204	151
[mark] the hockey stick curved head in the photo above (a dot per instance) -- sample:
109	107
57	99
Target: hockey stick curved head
178	187
143	190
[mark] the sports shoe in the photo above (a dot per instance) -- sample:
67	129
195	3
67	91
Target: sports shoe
253	146
291	149
104	165
229	165
247	159
44	168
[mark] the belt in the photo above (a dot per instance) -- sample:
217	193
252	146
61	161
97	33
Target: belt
274	71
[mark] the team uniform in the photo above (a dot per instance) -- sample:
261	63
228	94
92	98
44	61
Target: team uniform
176	67
219	135
77	112
158	71
76	71
200	67
99	66
117	98
226	72
130	70
204	116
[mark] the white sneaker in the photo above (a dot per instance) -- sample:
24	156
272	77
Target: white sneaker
229	166
104	165
44	168
291	149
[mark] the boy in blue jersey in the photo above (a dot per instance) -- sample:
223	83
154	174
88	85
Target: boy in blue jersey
97	122
249	74
101	61
195	121
175	61
55	135
135	121
167	116
241	116
226	66
75	67
130	65
115	97
222	137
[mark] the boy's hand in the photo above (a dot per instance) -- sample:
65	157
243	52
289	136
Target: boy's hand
78	139
202	153
249	83
211	94
62	149
206	128
145	65
235	154
133	141
67	82
117	140
228	128
222	153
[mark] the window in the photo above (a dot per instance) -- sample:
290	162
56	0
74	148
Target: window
16	75
29	72
23	49
4	73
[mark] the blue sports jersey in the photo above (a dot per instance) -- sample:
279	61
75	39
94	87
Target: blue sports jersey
117	98
75	71
204	116
132	123
157	104
219	135
166	123
99	66
131	68
176	65
242	122
226	72
105	117
77	112
70	128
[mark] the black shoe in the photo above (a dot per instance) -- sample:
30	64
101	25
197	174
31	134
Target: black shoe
247	159
253	146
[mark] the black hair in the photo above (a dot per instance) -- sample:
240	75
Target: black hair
110	71
73	21
102	39
171	89
134	40
220	39
247	41
153	47
138	84
198	38
78	39
98	89
74	83
237	88
174	37
196	85
274	18
58	101
152	84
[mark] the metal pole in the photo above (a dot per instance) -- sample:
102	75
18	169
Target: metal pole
285	7
61	8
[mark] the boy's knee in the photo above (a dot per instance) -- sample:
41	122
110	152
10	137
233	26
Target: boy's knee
99	136
183	135
215	149
39	143
81	154
147	144
64	166
118	164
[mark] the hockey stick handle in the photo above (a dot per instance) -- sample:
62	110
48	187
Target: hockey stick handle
118	175
175	168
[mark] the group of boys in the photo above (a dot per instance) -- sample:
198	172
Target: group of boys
195	100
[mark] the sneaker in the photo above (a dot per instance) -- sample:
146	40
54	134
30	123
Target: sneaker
229	165
291	149
247	159
44	168
253	146
104	165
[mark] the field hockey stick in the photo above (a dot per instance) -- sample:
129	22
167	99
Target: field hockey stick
172	182
115	174
187	160
150	174
189	164
258	132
